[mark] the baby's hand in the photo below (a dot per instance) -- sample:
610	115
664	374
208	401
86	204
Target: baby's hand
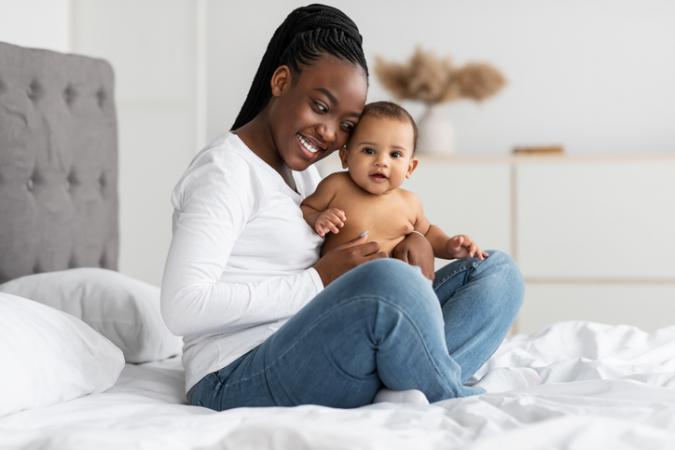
330	220
461	246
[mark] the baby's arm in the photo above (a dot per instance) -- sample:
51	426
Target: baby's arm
445	247
434	235
316	211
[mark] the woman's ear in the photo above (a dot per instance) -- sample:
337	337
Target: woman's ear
281	80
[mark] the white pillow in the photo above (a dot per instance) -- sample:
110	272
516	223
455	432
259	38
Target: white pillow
50	357
121	308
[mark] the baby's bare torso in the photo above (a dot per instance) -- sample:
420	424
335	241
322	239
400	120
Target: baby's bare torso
388	218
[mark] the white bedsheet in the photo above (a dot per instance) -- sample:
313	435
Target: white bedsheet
574	385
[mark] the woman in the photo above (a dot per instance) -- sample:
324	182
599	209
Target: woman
265	321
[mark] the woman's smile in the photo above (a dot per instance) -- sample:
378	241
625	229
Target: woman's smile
310	147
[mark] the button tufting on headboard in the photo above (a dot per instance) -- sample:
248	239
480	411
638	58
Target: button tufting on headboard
69	95
72	178
35	91
65	157
101	97
35	177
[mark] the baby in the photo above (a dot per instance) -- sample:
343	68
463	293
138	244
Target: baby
367	197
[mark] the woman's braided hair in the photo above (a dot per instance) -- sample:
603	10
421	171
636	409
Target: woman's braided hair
306	33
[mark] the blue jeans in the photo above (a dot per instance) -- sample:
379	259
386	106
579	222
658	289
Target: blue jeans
381	324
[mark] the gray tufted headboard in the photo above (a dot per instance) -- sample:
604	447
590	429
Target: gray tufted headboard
58	162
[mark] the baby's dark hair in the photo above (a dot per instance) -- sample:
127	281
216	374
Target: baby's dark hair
389	110
304	35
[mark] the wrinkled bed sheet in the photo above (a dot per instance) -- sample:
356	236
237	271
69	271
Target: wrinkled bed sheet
573	385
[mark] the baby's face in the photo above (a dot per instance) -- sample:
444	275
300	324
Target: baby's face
379	154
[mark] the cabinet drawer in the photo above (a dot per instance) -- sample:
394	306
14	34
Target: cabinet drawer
648	307
596	220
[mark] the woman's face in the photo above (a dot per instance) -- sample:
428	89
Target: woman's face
313	114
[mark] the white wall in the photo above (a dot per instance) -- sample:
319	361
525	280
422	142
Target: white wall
594	76
152	45
36	23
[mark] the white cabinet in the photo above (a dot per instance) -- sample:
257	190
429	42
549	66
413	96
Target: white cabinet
593	236
645	305
595	239
596	219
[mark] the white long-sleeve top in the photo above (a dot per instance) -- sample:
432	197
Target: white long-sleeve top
241	255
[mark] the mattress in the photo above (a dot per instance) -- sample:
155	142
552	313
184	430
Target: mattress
572	385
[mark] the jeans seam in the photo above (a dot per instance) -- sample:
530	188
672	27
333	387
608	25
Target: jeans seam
297	341
320	319
463	268
418	333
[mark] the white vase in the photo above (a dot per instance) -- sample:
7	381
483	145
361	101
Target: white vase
436	135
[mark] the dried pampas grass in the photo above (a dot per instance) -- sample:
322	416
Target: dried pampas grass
430	79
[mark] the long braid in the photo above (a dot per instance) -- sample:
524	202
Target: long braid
306	33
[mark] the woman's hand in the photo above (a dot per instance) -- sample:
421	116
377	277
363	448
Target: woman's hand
461	246
347	256
416	250
330	221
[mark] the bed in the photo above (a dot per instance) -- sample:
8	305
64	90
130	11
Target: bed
571	385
